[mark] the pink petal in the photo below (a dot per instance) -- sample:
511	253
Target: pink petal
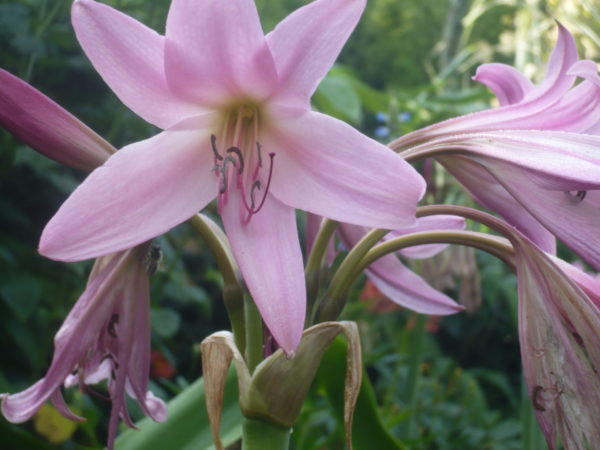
321	163
486	190
509	85
398	283
587	70
269	256
558	332
130	58
48	128
573	219
307	42
530	113
409	290
217	49
430	223
142	191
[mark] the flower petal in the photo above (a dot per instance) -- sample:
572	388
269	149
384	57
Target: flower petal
269	256
400	284
142	191
530	113
47	127
486	190
406	288
217	48
571	213
321	162
509	85
558	332
307	42
130	58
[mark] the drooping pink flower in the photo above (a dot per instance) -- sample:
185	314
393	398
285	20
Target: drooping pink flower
534	160
559	333
235	107
106	336
399	283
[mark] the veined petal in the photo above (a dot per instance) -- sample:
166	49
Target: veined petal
587	70
47	127
130	58
440	222
407	289
570	213
486	190
528	114
509	85
321	162
558	332
269	256
142	191
307	42
216	49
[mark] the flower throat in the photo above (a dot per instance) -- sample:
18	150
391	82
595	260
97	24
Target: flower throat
242	162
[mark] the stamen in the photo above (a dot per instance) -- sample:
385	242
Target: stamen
114	320
213	143
238	152
96	393
257	186
576	197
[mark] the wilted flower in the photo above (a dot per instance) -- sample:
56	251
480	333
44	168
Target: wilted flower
235	107
106	336
559	332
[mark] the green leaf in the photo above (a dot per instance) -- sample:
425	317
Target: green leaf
165	321
187	426
368	431
338	97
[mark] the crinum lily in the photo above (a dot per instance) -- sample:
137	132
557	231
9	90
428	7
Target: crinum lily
534	160
235	107
106	336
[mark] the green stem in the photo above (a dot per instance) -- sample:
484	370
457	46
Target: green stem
233	292
314	264
259	435
335	299
254	335
414	368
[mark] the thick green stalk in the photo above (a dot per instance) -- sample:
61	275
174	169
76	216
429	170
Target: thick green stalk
315	263
334	299
259	435
254	335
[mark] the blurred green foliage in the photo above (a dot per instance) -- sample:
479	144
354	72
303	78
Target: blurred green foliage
407	65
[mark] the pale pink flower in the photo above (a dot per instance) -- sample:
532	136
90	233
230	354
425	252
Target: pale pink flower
106	336
535	159
235	107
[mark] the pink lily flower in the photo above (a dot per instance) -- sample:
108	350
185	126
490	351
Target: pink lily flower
395	280
105	336
235	107
553	122
559	332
